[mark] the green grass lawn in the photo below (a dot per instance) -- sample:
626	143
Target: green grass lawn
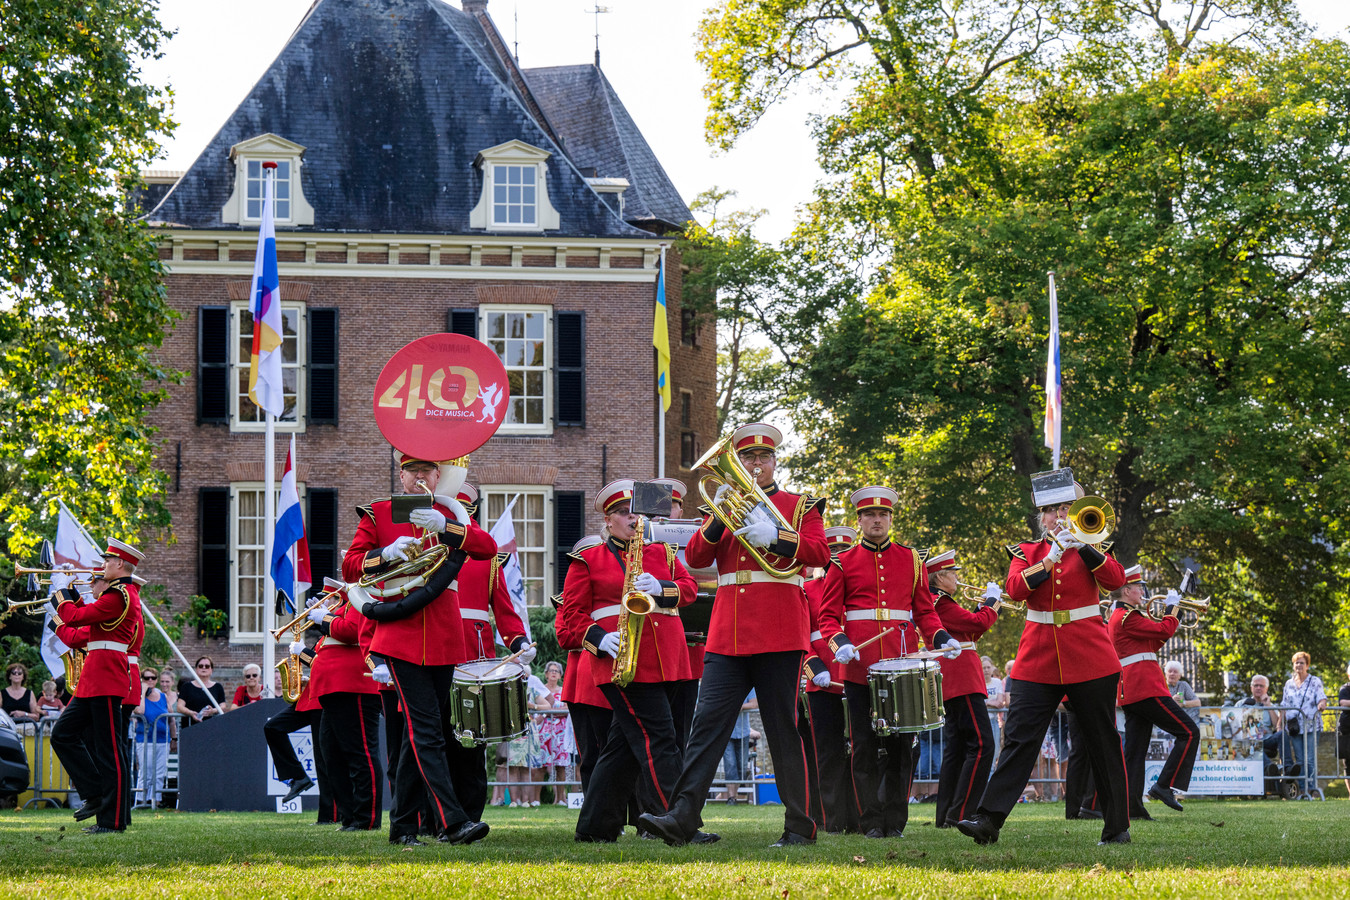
1214	849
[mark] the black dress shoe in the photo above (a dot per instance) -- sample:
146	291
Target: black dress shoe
980	828
895	832
664	827
1140	817
1121	837
875	833
1164	796
466	833
99	829
88	810
596	839
407	840
1086	813
353	828
298	787
792	839
705	837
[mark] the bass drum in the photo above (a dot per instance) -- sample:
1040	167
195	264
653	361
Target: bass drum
488	702
906	696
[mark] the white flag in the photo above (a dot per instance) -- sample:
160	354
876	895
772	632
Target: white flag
504	533
74	546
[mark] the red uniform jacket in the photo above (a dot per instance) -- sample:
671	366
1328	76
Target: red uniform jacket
133	697
589	610
761	616
1076	651
113	620
482	588
820	650
579	688
1133	632
338	664
965	674
434	635
880	578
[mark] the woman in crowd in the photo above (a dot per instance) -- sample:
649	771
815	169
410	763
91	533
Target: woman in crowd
192	699
168	683
1304	698
553	734
152	739
1182	692
18	700
251	689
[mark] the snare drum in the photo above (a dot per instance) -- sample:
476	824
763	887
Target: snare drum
906	696
487	702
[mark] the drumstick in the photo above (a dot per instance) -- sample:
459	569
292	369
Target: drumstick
873	639
509	659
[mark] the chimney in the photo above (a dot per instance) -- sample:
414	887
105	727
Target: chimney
474	7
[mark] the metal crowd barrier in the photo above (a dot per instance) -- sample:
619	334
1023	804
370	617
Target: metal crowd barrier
148	755
50	780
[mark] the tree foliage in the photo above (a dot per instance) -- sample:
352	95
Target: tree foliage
82	307
1185	178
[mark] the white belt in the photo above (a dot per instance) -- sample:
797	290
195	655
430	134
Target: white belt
329	640
106	645
878	615
1138	657
746	576
816	636
134	660
1063	616
478	615
614	609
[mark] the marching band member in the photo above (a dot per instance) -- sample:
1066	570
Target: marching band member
85	738
132	699
586	704
420	651
1065	651
1145	698
349	725
758	638
641	743
878	585
967	737
686	696
824	727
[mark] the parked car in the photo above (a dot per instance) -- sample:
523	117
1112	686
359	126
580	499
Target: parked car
13	759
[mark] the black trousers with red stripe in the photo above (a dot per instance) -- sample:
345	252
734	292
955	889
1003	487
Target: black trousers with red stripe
967	756
642	747
727	680
824	731
1140	718
424	692
277	731
882	767
1031	709
86	741
590	726
350	737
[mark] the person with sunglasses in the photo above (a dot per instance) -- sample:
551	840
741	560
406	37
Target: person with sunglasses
251	689
192	694
152	740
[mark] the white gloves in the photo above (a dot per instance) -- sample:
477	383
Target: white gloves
428	518
1057	548
527	655
381	674
1173	598
759	530
649	584
951	649
992	591
610	644
846	654
317	614
722	491
401	548
296	648
821	679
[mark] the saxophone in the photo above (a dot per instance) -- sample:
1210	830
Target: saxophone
633	609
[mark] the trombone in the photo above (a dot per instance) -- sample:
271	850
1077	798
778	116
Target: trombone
1189	610
976	595
1091	520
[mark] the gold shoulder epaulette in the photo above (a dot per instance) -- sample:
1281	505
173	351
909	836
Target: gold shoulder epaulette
368	509
924	554
816	503
1015	551
501	559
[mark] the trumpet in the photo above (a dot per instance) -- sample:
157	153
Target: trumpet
21	571
975	595
1189	610
26	605
299	623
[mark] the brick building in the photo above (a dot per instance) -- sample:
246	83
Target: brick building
425	183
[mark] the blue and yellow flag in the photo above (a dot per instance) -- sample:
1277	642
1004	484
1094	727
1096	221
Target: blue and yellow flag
661	338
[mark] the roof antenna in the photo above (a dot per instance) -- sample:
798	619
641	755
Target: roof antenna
515	42
597	11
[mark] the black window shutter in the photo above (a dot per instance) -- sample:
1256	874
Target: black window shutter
321	525
213	364
569	526
569	365
462	321
213	535
323	367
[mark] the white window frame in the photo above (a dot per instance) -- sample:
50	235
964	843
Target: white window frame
301	365
549	524
237	635
545	427
260	149
514	153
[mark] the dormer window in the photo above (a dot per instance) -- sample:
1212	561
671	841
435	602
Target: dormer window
515	190
245	204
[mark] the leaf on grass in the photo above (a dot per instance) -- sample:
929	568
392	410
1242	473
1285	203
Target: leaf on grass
785	893
860	859
1096	870
1217	824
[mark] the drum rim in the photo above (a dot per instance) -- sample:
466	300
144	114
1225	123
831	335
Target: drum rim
915	665
505	671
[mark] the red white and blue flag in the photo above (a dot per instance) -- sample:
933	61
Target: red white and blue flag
290	547
264	374
1054	388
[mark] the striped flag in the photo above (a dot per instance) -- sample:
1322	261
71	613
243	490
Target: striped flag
290	547
264	373
504	533
1054	388
661	338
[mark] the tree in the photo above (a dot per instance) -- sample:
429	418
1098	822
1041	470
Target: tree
1183	178
82	307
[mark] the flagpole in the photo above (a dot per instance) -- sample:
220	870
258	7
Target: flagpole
269	596
1054	381
660	413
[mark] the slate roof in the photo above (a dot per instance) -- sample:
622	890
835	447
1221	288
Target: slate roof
392	99
598	133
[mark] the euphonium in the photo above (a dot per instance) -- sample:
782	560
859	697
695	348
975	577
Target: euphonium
634	606
745	494
413	572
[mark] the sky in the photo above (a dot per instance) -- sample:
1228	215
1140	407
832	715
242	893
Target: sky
222	47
